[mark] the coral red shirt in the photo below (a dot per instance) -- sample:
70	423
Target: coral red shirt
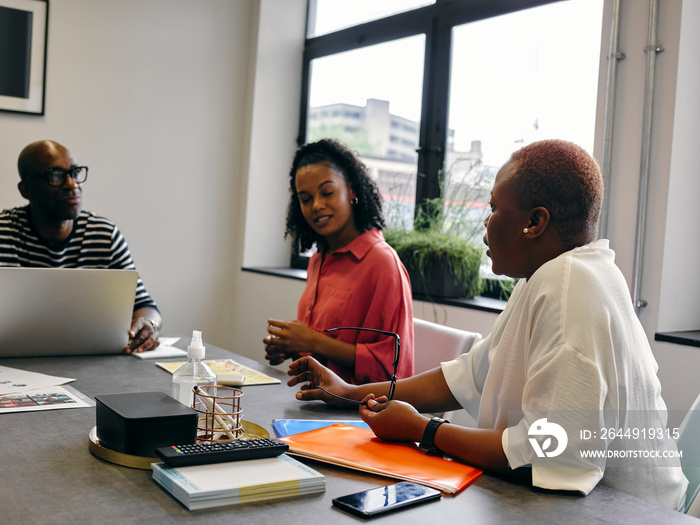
363	284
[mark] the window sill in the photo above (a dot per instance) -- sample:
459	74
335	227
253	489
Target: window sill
687	338
485	304
289	273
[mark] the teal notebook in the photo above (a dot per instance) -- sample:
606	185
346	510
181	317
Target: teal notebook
286	427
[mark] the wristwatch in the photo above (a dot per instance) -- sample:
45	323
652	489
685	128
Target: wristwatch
428	441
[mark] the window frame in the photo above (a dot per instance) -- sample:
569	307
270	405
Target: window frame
435	22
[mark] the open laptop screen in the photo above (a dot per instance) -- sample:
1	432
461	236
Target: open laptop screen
65	311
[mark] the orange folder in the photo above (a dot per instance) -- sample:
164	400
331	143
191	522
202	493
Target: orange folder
360	449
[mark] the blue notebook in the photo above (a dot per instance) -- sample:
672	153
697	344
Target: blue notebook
286	427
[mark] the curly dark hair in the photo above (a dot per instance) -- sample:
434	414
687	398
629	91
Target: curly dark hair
565	179
367	213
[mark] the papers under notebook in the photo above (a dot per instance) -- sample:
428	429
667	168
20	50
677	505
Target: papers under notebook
359	449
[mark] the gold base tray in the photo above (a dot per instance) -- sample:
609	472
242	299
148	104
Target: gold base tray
252	431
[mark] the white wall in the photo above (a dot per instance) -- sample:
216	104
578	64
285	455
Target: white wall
152	97
273	128
273	122
671	278
680	310
676	363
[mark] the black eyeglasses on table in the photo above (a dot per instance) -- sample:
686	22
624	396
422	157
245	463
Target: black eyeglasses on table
58	176
392	377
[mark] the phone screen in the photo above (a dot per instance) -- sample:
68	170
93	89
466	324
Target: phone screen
384	499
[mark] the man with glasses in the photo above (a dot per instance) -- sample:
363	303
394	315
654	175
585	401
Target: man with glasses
54	231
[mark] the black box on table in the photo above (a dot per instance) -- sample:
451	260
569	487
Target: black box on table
138	423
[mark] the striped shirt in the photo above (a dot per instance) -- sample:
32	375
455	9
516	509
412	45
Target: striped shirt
95	242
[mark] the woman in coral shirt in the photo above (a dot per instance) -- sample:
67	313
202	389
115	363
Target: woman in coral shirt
355	279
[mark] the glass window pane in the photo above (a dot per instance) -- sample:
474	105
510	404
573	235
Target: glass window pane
515	79
370	99
326	16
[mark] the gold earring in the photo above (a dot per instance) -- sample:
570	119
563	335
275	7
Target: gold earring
525	230
354	201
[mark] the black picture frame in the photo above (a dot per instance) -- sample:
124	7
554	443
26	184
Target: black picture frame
23	45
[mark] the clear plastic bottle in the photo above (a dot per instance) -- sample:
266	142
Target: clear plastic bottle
194	372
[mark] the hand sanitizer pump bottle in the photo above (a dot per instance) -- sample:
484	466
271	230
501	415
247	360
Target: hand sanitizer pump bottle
194	372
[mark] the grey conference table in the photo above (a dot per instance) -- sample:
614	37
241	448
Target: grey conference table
49	476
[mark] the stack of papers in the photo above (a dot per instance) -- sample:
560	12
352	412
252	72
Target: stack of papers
231	483
21	391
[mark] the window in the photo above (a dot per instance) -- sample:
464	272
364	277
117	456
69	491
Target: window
536	79
326	16
441	93
373	95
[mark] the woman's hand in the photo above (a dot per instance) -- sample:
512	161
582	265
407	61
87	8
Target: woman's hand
393	420
313	374
287	339
274	354
399	421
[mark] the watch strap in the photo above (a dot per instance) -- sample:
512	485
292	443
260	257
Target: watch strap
428	441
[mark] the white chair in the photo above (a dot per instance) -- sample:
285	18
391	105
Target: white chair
433	344
689	443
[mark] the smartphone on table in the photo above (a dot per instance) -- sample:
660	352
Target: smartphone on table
380	500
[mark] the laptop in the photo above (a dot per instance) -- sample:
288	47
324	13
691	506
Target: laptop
65	311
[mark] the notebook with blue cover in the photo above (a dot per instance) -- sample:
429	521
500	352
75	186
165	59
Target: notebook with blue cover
286	427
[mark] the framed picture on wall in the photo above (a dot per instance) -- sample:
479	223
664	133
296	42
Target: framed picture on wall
23	32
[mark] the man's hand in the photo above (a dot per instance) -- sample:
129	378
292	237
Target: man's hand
142	336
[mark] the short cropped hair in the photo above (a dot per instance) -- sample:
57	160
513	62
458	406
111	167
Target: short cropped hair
565	179
367	213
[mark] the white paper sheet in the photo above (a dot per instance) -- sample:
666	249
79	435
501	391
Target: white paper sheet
165	349
16	380
46	398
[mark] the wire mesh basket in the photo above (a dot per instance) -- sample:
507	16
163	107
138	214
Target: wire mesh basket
220	414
